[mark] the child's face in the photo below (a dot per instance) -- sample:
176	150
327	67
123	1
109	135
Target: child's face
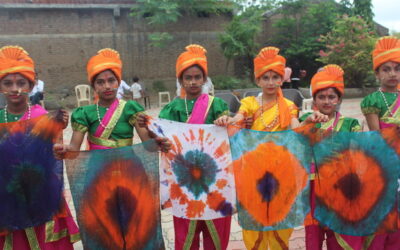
16	88
269	82
388	75
106	85
326	101
192	80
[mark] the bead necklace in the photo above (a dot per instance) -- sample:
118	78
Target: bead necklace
335	119
5	112
187	111
386	103
101	123
274	121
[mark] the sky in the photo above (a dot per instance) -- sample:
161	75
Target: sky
387	13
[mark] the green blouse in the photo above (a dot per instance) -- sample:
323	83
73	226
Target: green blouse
176	110
10	117
345	124
85	119
374	103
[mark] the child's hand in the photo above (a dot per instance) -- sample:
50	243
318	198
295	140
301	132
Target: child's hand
59	151
248	122
142	120
65	117
317	117
163	143
223	121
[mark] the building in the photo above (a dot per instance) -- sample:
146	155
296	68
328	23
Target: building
61	35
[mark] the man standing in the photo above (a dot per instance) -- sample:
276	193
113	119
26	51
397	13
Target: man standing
36	94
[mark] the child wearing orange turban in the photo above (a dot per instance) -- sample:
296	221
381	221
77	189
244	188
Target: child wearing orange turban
110	121
17	78
194	54
269	112
196	107
327	87
381	108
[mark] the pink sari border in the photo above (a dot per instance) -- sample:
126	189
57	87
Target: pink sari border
199	110
36	110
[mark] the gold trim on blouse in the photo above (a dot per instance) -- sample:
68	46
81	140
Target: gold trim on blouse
110	143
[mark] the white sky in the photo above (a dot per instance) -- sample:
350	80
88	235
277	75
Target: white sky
387	13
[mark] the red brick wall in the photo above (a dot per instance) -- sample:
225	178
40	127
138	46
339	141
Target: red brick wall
62	40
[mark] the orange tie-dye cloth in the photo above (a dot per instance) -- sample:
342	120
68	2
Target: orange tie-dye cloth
196	175
116	196
272	178
357	182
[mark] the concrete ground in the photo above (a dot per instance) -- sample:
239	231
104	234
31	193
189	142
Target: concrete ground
349	107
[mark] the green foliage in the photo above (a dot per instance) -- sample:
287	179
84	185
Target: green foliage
160	39
363	8
159	86
297	32
349	45
229	83
158	13
239	38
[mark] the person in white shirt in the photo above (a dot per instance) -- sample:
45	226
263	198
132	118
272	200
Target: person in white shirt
36	95
122	88
136	89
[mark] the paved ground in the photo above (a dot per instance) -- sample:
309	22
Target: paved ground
350	107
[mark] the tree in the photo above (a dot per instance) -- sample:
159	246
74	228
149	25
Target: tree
159	13
349	45
240	36
363	8
297	32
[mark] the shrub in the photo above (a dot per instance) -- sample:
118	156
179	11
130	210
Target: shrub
228	82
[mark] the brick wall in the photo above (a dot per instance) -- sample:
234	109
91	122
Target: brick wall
62	40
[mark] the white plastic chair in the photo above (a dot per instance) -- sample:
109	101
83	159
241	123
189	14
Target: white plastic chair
306	106
161	97
82	92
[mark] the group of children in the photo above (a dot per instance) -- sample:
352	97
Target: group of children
110	124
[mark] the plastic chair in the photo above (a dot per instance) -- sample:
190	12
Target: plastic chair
294	95
82	92
161	96
307	106
232	101
251	93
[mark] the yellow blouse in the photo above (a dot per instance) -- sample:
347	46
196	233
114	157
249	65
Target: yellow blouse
265	118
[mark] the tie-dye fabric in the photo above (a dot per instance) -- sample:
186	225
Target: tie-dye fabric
196	175
31	179
116	196
356	182
271	175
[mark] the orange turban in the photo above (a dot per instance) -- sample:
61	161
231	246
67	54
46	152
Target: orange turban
331	76
268	59
194	55
106	59
387	49
14	59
